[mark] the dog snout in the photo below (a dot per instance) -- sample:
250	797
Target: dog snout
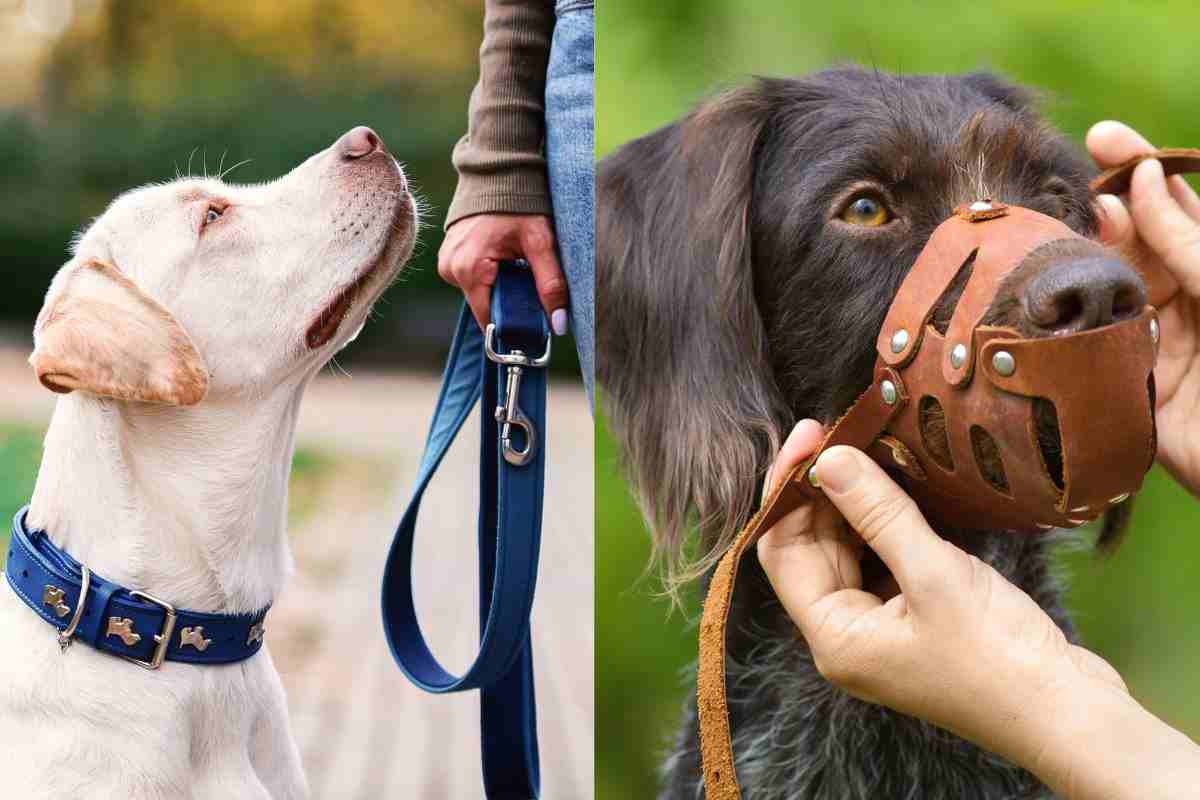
1083	293
359	142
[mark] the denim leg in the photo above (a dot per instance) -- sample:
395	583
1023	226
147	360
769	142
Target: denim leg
571	155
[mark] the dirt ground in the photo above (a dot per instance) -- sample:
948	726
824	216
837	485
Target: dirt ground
363	730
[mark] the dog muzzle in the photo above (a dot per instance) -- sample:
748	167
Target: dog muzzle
969	418
962	418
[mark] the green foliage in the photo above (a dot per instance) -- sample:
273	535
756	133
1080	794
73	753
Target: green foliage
1093	61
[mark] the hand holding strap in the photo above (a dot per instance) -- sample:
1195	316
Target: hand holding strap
512	461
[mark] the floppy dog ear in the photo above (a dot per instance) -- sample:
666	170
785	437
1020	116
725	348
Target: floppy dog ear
686	376
98	332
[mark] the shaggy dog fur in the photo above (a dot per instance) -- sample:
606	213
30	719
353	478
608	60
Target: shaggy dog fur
736	303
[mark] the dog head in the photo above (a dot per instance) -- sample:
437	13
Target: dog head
199	288
749	252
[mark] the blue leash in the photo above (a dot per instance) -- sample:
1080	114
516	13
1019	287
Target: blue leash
512	357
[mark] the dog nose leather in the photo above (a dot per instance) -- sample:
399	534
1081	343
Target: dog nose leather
1082	294
359	142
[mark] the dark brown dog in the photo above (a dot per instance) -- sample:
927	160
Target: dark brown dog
747	256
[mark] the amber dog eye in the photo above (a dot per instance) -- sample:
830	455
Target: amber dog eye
866	210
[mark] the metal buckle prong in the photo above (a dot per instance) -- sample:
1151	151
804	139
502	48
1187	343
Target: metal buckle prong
162	638
510	413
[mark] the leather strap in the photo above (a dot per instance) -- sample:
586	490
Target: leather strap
1174	160
112	619
509	534
859	427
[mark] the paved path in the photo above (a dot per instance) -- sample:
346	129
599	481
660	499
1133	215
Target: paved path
363	730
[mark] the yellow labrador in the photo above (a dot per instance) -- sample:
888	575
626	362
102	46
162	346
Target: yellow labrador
182	335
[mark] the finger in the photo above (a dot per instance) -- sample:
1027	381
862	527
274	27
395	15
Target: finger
1111	143
1164	225
798	559
885	517
479	298
1185	195
801	443
1116	224
538	248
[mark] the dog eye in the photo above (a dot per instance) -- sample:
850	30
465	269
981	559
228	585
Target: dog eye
866	210
212	215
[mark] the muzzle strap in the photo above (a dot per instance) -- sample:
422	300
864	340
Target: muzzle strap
859	427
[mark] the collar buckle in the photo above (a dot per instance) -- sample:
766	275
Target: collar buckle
162	638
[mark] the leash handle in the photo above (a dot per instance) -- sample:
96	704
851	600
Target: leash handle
512	354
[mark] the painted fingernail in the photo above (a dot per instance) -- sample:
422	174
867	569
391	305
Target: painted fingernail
558	321
837	470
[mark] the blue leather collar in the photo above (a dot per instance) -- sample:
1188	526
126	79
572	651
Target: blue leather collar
503	372
117	620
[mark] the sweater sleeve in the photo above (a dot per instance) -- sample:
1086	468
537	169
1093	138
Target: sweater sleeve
500	163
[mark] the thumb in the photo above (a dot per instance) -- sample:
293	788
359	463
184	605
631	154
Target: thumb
885	517
1165	226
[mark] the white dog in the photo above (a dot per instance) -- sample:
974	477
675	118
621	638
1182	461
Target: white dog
183	333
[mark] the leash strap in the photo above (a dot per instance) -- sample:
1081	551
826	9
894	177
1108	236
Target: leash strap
506	368
117	620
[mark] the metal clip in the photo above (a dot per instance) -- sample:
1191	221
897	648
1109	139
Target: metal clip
65	636
510	414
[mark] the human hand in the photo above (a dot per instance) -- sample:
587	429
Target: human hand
959	646
1157	227
470	255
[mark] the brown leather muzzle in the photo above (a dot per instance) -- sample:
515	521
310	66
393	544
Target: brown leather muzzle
984	467
989	470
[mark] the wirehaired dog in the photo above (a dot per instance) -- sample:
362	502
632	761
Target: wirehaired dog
748	255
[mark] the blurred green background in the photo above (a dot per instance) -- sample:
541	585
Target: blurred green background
99	96
1131	60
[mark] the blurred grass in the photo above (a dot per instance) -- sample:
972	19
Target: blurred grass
21	455
1094	61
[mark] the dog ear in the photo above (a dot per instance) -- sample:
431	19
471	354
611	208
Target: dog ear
686	378
98	332
1016	98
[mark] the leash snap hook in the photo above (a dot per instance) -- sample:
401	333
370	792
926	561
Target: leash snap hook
510	414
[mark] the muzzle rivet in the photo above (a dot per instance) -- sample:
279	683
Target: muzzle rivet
1004	363
812	476
1153	333
981	205
958	356
899	341
888	390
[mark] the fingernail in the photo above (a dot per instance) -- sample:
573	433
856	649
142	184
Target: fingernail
1108	203
558	321
837	470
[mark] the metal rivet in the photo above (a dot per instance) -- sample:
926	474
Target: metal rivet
958	356
1121	498
1154	330
899	341
888	390
1004	363
981	205
812	476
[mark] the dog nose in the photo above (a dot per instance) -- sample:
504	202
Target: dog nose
1084	293
359	142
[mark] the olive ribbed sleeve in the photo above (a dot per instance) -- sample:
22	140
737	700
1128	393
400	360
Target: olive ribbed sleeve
499	161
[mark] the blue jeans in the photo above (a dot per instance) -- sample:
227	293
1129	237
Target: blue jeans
571	156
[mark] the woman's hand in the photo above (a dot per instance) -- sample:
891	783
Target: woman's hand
470	255
1157	227
959	646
